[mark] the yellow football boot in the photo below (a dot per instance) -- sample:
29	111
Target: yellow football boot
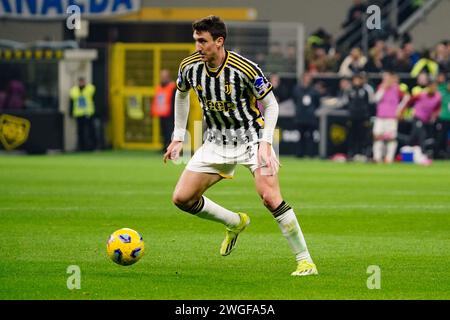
305	268
229	243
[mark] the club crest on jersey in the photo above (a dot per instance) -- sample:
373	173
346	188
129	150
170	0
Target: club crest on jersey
260	85
199	87
228	88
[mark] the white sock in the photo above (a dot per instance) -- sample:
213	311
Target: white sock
212	211
290	229
391	148
378	150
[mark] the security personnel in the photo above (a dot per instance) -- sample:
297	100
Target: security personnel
425	64
83	109
162	106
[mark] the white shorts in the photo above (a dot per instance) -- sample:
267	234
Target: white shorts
387	128
212	158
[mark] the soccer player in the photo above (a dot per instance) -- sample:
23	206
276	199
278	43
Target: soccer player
391	97
228	86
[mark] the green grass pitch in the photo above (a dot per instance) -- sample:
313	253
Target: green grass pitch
58	210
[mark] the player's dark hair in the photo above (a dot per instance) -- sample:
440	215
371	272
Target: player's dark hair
212	24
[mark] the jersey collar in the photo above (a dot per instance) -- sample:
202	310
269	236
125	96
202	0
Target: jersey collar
219	71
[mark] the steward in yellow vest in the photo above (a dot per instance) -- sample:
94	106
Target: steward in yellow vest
83	109
83	99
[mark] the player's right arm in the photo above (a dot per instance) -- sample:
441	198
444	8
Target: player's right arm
181	113
181	116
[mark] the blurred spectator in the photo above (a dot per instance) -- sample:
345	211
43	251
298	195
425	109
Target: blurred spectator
390	58
83	109
320	61
353	63
15	95
320	54
321	88
427	106
320	39
375	63
443	123
163	106
307	101
410	53
336	58
421	84
442	56
280	91
355	13
425	64
401	62
358	100
338	100
441	78
345	85
390	98
379	48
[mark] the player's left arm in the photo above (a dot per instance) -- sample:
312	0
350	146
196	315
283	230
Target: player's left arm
265	156
263	91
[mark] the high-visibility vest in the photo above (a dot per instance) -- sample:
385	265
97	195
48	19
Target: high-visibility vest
162	101
83	100
134	107
423	63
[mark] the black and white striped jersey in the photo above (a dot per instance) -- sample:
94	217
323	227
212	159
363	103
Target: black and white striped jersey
227	96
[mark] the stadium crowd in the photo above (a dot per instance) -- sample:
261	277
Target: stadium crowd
421	77
415	73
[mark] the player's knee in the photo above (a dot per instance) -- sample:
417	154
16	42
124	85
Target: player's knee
182	201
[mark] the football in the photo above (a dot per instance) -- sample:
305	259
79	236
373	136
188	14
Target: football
125	246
